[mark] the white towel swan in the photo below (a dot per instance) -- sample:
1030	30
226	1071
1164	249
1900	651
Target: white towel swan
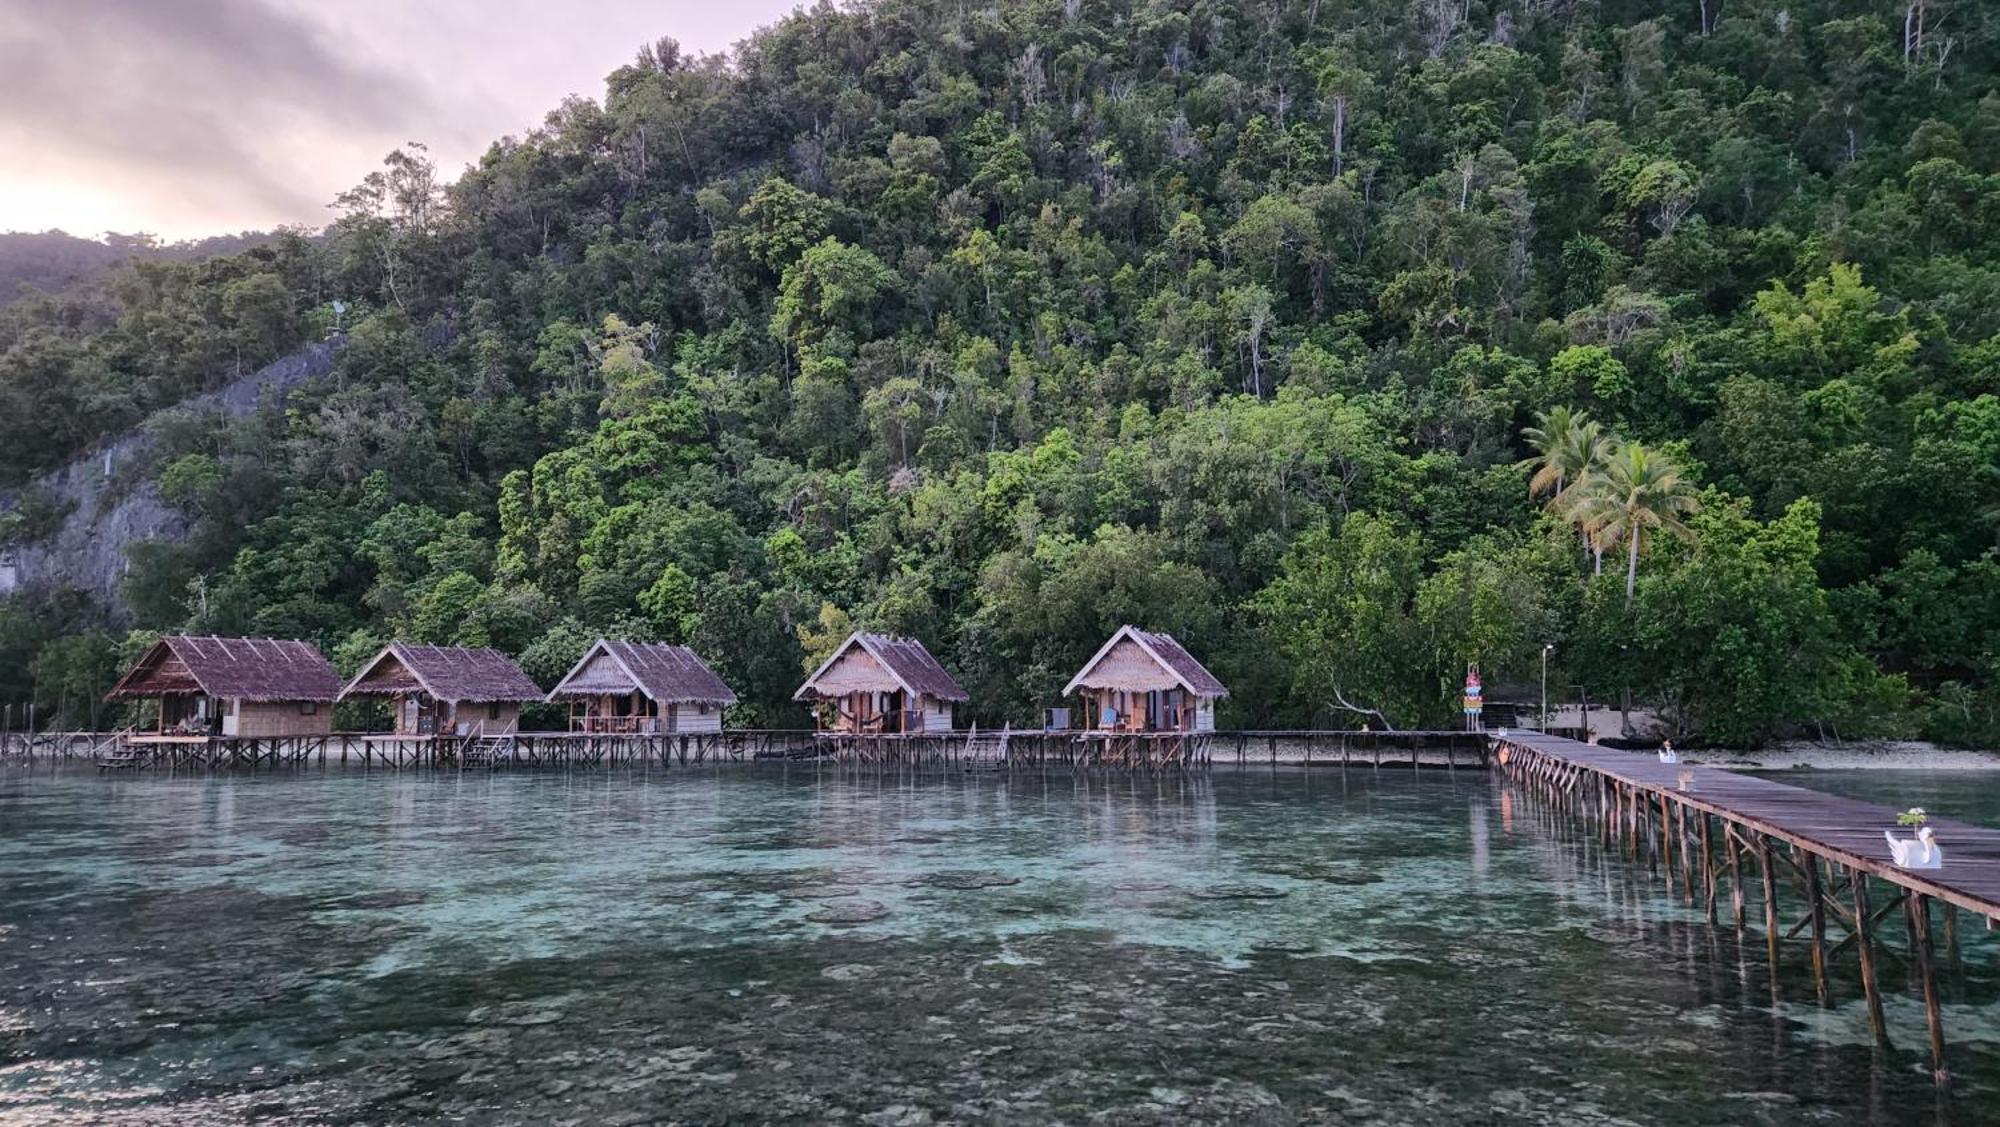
1919	852
1669	755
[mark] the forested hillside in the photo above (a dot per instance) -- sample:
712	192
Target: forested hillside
53	260
1000	324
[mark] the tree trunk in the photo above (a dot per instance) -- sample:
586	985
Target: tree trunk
1339	132
1631	567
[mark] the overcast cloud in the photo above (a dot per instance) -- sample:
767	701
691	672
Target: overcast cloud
192	117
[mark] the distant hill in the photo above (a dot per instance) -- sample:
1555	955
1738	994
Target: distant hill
56	260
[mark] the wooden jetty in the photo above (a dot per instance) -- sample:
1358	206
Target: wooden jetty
1710	832
116	750
997	748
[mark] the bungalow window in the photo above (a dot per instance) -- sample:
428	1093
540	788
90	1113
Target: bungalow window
493	710
306	707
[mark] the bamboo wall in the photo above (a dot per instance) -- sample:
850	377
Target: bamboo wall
259	719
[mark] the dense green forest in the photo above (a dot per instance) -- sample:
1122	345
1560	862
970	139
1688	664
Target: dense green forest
1350	342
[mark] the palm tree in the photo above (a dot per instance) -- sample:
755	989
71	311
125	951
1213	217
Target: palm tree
1636	493
1570	447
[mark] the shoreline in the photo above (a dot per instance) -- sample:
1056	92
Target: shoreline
1907	755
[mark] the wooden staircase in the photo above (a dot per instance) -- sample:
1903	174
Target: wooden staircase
115	753
482	750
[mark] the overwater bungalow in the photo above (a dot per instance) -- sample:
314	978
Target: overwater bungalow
875	684
446	690
642	688
1141	682
232	688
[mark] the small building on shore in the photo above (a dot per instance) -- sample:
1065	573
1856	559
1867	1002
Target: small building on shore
642	688
233	688
1141	682
445	690
875	684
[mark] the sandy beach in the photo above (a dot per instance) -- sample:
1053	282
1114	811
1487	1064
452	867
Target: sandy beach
1867	755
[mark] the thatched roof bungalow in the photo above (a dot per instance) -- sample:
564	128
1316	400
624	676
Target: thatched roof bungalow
250	688
1146	682
875	684
446	690
643	687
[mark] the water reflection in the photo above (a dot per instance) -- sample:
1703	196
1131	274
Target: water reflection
811	943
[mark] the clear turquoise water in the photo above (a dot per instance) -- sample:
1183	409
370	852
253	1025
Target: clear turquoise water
1971	796
753	944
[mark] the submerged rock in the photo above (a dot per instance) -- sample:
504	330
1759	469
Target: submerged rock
373	901
964	879
816	892
1323	873
854	912
1239	892
539	1017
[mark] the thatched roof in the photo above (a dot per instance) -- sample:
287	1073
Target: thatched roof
259	669
445	673
904	663
1140	661
666	674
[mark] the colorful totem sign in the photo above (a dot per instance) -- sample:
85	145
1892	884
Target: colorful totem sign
1475	702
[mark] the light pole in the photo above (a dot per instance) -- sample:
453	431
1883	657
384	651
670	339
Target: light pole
1546	647
1624	691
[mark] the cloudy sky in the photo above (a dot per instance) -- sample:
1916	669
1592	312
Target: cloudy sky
195	117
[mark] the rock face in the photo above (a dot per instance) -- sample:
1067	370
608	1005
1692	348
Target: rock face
88	550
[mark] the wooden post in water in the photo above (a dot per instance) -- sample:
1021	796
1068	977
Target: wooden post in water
1952	960
1707	868
1770	905
1863	944
1687	868
1632	821
1818	930
1919	908
1735	877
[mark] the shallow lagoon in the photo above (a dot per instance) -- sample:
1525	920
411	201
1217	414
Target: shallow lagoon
813	944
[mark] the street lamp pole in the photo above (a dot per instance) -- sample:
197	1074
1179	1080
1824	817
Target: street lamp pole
1546	647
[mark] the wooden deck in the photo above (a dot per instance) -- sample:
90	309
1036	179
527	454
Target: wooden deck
1845	830
1704	828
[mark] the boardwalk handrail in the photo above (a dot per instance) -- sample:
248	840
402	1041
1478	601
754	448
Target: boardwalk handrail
1632	794
1964	839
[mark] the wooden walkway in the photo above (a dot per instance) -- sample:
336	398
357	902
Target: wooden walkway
1705	828
965	748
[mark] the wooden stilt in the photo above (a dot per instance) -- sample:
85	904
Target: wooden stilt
1952	960
1818	897
1687	868
1919	909
1735	877
1869	986
1770	905
1707	868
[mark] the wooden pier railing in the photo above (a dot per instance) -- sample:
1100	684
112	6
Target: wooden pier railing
1703	828
972	747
